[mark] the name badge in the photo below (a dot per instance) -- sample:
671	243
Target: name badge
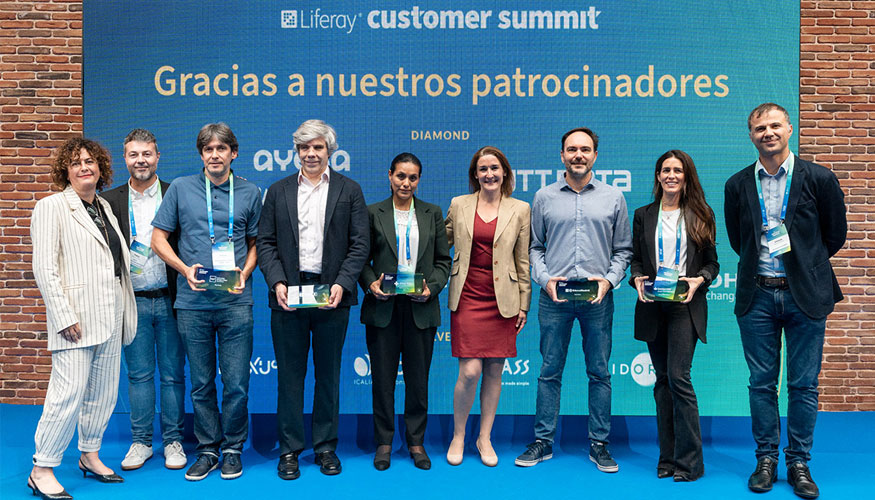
778	240
666	282
139	255
223	256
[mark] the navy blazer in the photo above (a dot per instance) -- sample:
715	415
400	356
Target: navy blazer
817	225
118	201
700	262
345	241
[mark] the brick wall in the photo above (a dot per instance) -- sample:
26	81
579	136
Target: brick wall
41	104
837	129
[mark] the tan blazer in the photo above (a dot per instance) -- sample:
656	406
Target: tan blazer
510	268
74	270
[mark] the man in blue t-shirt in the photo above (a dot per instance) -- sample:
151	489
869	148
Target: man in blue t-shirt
217	214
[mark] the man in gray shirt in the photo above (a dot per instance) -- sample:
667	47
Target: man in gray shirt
580	231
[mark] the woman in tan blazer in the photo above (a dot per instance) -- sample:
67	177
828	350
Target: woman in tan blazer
489	294
80	264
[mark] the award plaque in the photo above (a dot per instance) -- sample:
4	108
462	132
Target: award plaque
308	295
402	284
679	294
214	279
577	290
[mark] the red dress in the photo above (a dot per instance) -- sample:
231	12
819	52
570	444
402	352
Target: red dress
477	329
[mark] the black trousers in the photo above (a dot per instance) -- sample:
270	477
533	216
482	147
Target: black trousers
291	343
677	410
385	345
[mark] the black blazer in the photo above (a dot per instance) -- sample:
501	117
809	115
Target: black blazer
118	201
345	244
700	262
432	260
817	226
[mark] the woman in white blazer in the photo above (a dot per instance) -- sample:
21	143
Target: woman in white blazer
80	264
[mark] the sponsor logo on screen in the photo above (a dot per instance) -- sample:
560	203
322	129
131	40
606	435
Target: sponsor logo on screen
722	288
318	19
530	180
414	18
259	366
640	369
362	367
269	160
514	368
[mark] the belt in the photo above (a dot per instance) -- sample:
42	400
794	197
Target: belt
153	294
310	278
772	282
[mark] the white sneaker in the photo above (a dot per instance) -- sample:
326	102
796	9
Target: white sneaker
137	456
174	456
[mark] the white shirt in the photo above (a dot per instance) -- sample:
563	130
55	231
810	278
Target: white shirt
144	205
401	218
312	200
669	240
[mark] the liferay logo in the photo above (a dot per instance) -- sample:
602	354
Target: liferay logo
316	19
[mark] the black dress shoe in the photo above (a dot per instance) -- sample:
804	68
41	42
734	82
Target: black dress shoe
420	459
328	462
799	478
664	472
383	459
288	466
764	475
103	478
63	495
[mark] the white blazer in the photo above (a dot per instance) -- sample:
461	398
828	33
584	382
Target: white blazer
74	270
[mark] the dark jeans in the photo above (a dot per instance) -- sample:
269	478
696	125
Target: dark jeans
200	331
385	346
156	331
291	343
595	321
772	310
677	411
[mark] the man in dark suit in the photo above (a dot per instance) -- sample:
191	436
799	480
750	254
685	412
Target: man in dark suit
313	230
134	205
785	218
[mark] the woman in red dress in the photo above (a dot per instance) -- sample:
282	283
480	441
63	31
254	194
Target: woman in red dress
489	293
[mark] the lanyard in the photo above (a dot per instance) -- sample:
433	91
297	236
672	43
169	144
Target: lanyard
230	208
763	202
407	238
131	212
677	247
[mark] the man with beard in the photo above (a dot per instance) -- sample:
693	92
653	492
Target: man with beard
591	241
134	204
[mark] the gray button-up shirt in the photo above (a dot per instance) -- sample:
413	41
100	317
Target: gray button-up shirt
580	235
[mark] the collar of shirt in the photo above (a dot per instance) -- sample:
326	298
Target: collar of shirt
225	186
149	192
325	177
782	169
593	182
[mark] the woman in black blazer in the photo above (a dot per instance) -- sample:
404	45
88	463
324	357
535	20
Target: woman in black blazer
685	245
406	232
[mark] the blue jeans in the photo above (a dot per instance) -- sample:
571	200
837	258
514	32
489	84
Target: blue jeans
595	321
200	330
156	328
771	310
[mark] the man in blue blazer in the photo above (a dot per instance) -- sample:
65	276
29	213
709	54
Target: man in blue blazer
785	218
313	230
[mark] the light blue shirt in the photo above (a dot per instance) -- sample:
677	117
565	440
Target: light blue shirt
580	235
185	206
773	195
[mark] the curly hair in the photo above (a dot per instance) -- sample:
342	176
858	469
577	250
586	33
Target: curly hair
68	154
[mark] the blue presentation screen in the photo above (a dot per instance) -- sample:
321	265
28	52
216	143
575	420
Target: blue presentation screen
441	80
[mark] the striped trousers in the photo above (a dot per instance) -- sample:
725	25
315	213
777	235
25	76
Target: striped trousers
83	389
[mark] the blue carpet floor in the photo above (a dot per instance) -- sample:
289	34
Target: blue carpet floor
844	455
